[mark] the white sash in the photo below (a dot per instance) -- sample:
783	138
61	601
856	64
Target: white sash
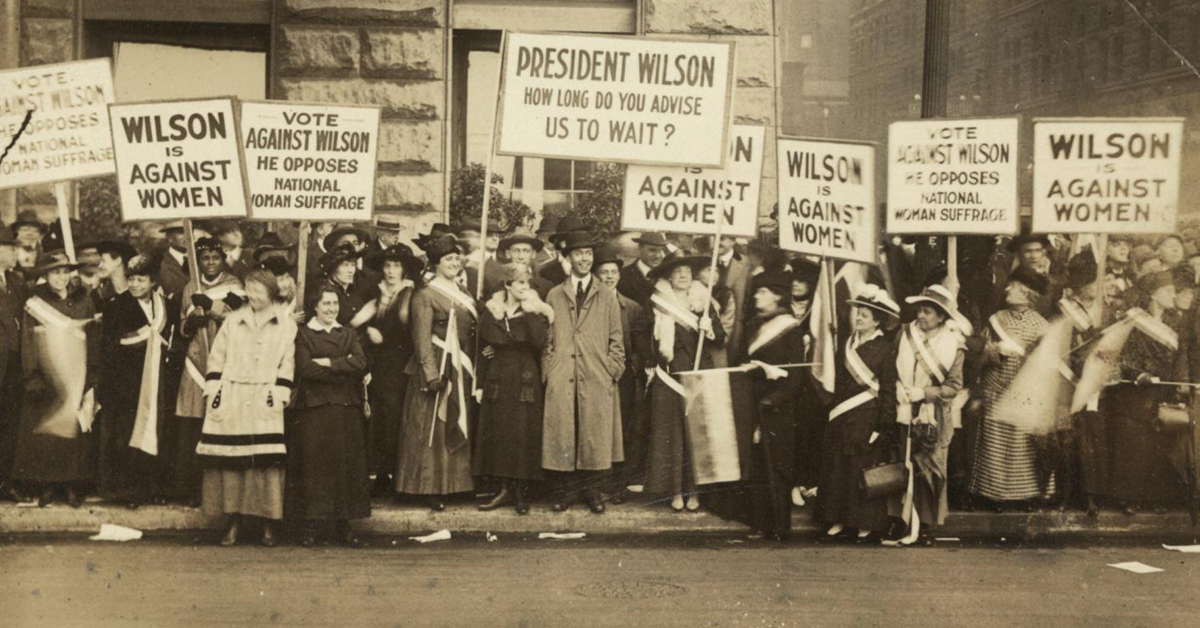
145	425
1079	316
771	330
852	403
45	314
456	296
1005	337
683	317
921	350
862	374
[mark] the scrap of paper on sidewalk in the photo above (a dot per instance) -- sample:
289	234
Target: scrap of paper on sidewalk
440	535
113	532
562	536
1186	549
1136	567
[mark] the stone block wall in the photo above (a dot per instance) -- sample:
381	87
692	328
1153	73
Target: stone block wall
751	25
389	53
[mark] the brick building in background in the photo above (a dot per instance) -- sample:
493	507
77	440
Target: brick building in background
408	56
1034	58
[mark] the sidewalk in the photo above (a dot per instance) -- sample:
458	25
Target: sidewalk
626	519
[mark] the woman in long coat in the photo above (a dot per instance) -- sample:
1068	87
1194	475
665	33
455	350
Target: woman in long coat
1141	450
439	407
670	331
929	365
202	308
389	343
60	361
137	327
515	323
327	463
247	386
1004	466
861	415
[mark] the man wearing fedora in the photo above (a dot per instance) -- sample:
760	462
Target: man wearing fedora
520	247
12	303
556	270
1033	253
545	232
635	283
582	435
173	271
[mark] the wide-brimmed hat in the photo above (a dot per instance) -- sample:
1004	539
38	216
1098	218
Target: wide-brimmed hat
396	253
566	226
549	224
941	298
270	241
277	265
573	240
436	230
437	248
876	298
652	238
28	218
778	282
519	236
331	240
606	255
55	259
145	265
334	258
805	271
1030	279
671	262
1150	283
468	225
388	223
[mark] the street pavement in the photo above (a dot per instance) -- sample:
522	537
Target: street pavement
694	580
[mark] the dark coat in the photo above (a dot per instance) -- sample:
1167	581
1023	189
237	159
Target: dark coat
340	383
552	271
635	285
171	275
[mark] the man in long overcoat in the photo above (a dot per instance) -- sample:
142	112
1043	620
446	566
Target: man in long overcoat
585	359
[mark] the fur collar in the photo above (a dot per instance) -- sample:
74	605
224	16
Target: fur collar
697	296
499	308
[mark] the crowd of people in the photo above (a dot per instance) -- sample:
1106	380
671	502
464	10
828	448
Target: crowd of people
393	373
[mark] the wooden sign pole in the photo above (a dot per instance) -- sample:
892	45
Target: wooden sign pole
62	194
301	261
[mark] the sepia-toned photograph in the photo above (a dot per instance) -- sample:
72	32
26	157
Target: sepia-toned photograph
550	313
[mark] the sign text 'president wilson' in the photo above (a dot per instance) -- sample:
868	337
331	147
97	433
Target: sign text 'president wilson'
617	99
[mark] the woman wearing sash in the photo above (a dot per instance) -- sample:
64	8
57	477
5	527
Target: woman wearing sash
247	386
862	413
670	330
810	424
1004	468
516	325
434	457
929	367
203	308
327	478
1141	452
137	328
389	343
774	337
59	361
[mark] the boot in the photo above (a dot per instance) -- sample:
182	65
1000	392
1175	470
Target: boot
47	497
231	535
308	537
346	535
268	534
73	498
519	503
503	498
435	503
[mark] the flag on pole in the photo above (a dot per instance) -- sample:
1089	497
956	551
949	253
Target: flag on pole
1038	397
821	324
1103	363
712	419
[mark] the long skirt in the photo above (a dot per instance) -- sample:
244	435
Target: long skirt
635	419
669	461
327	465
422	468
45	458
10	422
387	391
185	477
770	495
508	442
1140	454
845	455
126	473
253	492
1005	463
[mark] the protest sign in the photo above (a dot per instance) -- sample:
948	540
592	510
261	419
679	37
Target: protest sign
179	159
827	198
58	116
310	162
953	176
617	99
1106	175
688	200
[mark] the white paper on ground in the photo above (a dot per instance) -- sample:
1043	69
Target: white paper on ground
491	537
113	532
1186	549
440	535
1136	567
635	488
561	535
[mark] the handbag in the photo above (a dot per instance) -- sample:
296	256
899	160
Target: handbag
1173	415
883	480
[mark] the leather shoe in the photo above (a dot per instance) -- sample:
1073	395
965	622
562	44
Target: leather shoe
594	504
231	535
561	504
346	535
503	498
11	493
73	498
435	503
47	498
519	503
268	535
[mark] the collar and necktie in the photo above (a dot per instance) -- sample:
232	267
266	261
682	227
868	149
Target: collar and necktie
581	290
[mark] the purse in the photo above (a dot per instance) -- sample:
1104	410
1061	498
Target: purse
1173	415
883	480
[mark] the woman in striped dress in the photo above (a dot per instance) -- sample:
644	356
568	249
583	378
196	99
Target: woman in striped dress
1005	467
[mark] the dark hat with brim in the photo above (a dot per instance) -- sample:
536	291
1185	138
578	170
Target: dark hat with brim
1081	271
568	242
436	230
117	248
1150	283
1030	279
1017	243
271	242
28	218
778	282
520	237
53	260
143	265
548	225
668	265
334	258
942	299
652	238
872	296
468	225
606	255
277	265
396	253
565	227
437	248
330	240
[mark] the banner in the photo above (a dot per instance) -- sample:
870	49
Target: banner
827	198
688	200
1106	175
310	162
179	159
618	99
66	136
953	176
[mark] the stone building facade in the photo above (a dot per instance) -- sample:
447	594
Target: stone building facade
398	54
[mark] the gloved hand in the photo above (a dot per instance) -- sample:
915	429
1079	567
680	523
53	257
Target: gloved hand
202	301
1144	379
435	386
233	301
